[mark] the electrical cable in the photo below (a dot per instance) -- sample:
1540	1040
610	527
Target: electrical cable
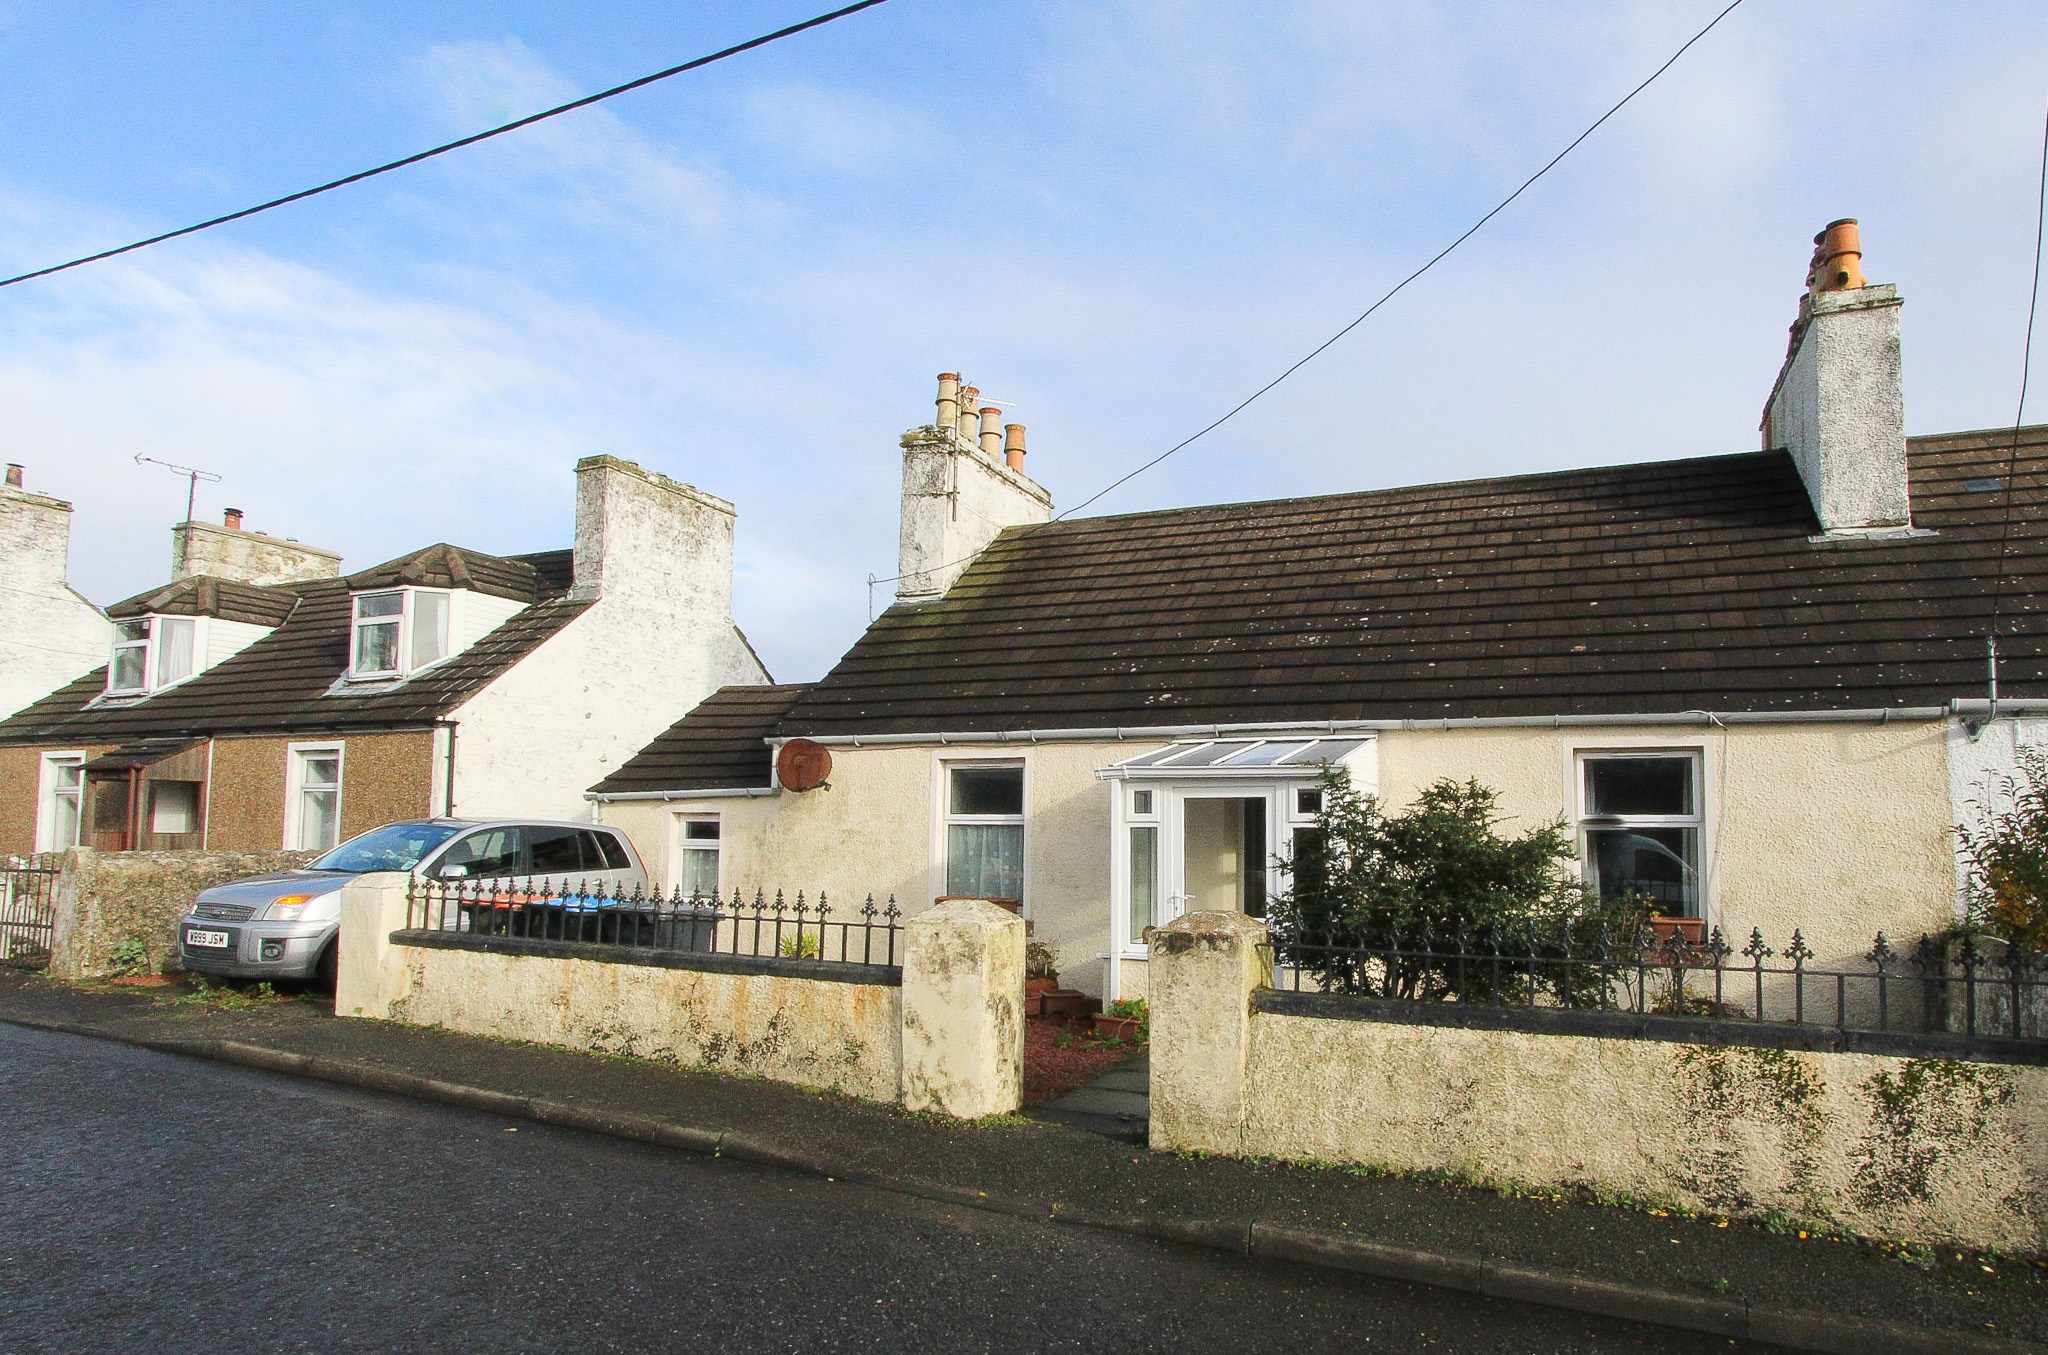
527	121
2019	415
1439	258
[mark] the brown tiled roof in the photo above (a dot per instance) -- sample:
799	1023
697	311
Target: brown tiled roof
446	566
721	745
281	683
1670	586
222	598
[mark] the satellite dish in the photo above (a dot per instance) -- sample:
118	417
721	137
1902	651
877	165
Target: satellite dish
802	765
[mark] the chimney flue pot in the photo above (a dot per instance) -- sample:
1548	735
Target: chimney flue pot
1013	446
1838	257
970	413
991	432
949	400
13	476
233	519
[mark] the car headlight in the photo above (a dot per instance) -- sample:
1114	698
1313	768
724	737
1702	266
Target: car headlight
288	907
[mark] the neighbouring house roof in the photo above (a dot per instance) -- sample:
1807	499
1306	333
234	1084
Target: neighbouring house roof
721	745
143	753
443	566
224	599
1645	589
282	683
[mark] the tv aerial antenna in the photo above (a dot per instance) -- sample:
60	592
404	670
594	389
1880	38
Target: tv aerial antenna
192	475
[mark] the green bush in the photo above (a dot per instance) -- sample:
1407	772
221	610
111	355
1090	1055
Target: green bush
1438	877
2006	855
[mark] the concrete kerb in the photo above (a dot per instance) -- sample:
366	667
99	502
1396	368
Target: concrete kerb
1764	1323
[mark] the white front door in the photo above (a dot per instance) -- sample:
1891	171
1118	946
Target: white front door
1218	855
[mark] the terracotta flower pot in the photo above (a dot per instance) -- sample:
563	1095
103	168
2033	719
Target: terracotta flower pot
1065	1002
1040	985
1117	1027
1034	1004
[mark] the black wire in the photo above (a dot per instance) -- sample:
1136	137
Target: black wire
1441	255
2026	369
528	121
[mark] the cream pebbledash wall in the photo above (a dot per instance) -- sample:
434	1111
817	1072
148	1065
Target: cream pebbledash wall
877	830
1838	829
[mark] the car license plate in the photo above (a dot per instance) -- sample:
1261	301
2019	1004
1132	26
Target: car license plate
207	940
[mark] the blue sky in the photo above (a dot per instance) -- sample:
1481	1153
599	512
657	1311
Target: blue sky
1119	215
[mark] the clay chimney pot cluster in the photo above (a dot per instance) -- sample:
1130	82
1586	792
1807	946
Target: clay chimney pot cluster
1837	258
233	519
13	476
961	411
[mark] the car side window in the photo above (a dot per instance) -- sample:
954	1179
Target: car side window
604	847
558	851
492	852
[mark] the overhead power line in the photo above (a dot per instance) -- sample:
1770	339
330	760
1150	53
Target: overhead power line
1396	289
527	121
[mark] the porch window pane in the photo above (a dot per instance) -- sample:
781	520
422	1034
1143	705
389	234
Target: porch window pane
985	860
1144	882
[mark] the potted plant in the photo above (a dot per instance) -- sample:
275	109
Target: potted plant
1126	1020
1040	977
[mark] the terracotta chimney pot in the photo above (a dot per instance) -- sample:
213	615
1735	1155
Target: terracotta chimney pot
991	432
1838	257
233	519
949	399
13	475
1013	446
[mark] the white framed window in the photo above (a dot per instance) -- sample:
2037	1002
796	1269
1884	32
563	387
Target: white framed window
312	812
1640	822
984	827
173	807
400	631
60	805
699	851
153	652
1142	861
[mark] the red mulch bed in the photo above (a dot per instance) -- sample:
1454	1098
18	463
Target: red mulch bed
1050	1070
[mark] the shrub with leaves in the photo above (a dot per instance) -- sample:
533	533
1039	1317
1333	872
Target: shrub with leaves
1414	889
2006	854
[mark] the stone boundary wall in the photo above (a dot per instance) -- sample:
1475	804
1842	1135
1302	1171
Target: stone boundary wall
105	898
944	1032
1922	1149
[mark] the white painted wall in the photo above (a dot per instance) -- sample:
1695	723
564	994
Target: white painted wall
656	556
1976	763
48	633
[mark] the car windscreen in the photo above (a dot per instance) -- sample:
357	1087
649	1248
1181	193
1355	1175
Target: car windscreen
397	846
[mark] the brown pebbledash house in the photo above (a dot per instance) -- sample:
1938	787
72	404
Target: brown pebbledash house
261	700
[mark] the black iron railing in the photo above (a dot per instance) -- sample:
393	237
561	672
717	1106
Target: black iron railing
777	925
1968	985
28	892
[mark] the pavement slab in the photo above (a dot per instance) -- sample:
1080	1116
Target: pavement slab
1719	1261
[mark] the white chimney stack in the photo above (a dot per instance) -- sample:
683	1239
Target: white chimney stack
963	483
1839	406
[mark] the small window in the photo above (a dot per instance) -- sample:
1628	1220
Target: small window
129	670
697	855
378	618
985	832
1141	802
1144	850
173	645
60	816
174	807
313	816
1641	824
1308	803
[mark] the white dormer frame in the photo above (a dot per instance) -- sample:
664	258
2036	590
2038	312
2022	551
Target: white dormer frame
148	655
425	627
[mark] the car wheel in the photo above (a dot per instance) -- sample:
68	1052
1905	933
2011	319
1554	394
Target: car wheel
328	966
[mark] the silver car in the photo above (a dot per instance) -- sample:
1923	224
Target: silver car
284	925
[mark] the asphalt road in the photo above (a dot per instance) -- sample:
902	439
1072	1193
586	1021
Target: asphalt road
151	1203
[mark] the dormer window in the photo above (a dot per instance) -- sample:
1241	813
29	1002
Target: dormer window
151	653
399	632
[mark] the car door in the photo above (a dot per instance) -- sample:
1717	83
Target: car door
495	855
